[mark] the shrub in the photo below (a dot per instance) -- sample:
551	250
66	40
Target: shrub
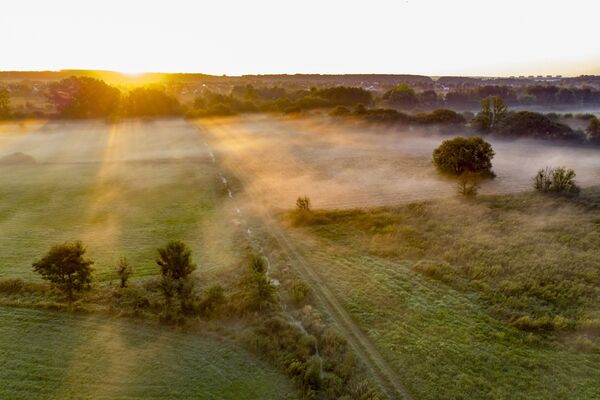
464	155
176	266
66	268
258	292
300	292
132	298
542	324
213	299
303	203
11	286
557	180
124	271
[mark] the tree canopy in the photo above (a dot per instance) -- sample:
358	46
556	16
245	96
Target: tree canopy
66	267
493	112
464	155
402	96
175	260
84	97
593	130
536	125
150	102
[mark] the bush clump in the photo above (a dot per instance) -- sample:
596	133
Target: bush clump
555	180
303	203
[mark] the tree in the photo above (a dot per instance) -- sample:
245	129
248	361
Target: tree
176	266
175	260
493	111
260	290
536	125
213	299
441	116
151	102
124	271
83	97
4	104
565	96
66	267
344	95
593	130
402	96
428	98
464	155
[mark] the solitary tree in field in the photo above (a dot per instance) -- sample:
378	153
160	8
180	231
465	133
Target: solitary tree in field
468	158
66	267
176	266
464	155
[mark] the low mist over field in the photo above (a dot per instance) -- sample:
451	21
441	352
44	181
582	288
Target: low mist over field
514	270
346	165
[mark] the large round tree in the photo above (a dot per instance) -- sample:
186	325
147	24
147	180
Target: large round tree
464	155
66	267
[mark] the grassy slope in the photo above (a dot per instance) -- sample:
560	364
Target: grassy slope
123	190
448	340
56	356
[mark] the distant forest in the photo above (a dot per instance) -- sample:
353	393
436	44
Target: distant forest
391	99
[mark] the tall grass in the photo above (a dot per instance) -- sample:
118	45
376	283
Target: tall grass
492	298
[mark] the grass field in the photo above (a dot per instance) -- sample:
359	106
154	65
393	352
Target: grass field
49	355
442	289
122	189
492	298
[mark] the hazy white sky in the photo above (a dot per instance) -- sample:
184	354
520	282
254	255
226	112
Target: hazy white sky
434	37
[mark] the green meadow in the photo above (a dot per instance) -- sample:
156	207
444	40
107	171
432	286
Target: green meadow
492	298
51	355
122	189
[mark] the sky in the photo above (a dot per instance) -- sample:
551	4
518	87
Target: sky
431	37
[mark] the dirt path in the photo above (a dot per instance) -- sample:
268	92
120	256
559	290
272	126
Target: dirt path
379	370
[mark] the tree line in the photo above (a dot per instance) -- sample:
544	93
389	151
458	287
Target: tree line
87	98
318	359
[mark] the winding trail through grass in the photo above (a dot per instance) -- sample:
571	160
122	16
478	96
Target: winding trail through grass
378	369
